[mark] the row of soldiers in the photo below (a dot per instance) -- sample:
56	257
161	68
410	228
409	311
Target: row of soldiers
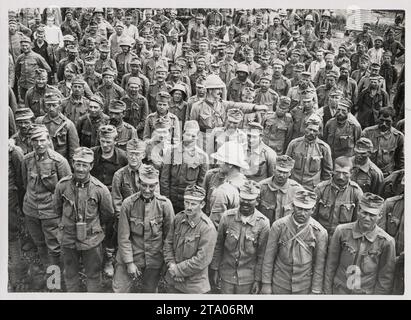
89	155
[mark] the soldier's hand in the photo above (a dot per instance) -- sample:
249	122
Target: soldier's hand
172	269
260	107
133	271
256	287
214	277
266	289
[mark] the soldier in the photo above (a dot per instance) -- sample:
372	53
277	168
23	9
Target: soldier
392	184
338	197
279	82
107	160
26	65
151	65
388	142
392	221
329	109
296	250
278	191
136	105
91	50
157	86
374	72
76	105
228	66
362	250
104	61
146	218
241	242
83	204
126	180
159	142
264	69
278	126
321	43
237	84
162	106
46	50
313	162
367	175
41	170
341	132
109	90
34	98
125	131
62	130
303	84
261	159
91	76
330	85
188	248
24	120
122	59
135	72
15	199
265	95
178	104
72	57
347	84
61	52
184	164
230	132
88	124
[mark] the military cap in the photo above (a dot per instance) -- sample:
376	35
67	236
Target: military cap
276	16
254	128
119	24
345	102
40	71
336	93
363	144
108	72
266	76
140	40
296	51
37	130
137	145
126	41
386	113
371	203
306	74
343	162
260	30
52	97
50	18
91	40
313	120
23	114
163	96
343	46
72	48
367	24
229	16
242	67
83	154
345	66
309	17
25	39
134	80
329	55
117	106
194	192
148	38
104	48
175	67
304	199
299	67
278	61
213	81
221	45
265	55
375	65
191	125
285	101
98	10
215	65
284	163
78	80
161	69
96	99
135	61
378	38
235	115
375	77
250	190
230	49
41	30
162	123
332	73
93	23
307	96
90	59
107	131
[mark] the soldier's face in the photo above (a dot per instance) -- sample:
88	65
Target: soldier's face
280	176
77	89
301	215
367	220
264	83
23	126
224	167
135	68
330	82
25	47
108	79
81	170
312	132
103	55
52	108
161	76
13	28
91	45
329	62
242	76
94	109
341	113
177	96
281	110
41	80
40	36
308	104
200	65
161	134
40	144
384	124
375	71
107	144
116	118
125	49
89	68
247	206
216	93
134	158
360	157
341	175
277	69
175	74
68	74
191	206
203	47
249	57
147	189
190	136
156	52
264	61
201	91
133	89
162	107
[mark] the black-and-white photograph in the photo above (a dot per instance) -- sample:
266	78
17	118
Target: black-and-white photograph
243	151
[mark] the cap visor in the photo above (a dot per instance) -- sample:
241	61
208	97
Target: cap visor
303	205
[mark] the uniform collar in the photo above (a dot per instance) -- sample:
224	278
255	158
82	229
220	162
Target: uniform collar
251	221
44	156
370	235
274	187
386	134
56	120
81	184
192	222
365	167
334	185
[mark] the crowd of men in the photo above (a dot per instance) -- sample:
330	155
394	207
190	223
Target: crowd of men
206	150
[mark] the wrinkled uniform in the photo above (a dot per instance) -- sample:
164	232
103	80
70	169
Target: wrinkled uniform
277	131
261	161
368	176
87	128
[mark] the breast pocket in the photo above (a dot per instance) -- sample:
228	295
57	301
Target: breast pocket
137	226
192	171
346	142
206	120
324	209
250	242
370	261
346	212
156	225
61	137
231	239
190	246
347	254
315	164
307	249
298	157
91	209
